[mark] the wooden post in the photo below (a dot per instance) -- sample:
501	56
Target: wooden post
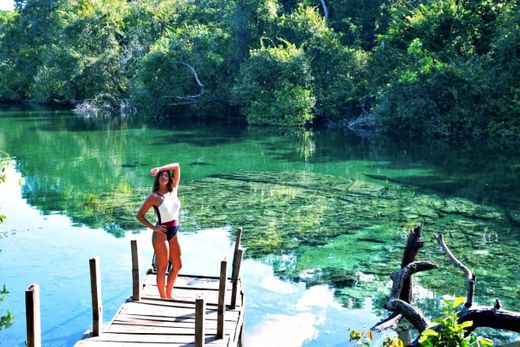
200	317
221	299
136	285
235	253
32	315
236	276
97	302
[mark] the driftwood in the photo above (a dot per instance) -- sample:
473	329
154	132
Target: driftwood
399	302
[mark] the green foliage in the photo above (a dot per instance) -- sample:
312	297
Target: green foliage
274	86
337	71
442	68
165	77
365	338
452	332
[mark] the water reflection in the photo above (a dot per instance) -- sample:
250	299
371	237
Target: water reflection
321	209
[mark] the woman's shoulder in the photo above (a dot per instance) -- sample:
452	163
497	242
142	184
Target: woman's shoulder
155	197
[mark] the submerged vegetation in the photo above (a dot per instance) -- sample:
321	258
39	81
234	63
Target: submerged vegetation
422	68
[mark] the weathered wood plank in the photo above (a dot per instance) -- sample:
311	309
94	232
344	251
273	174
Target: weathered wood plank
163	321
209	342
184	329
189	282
136	286
180	313
32	315
221	309
147	338
97	301
200	320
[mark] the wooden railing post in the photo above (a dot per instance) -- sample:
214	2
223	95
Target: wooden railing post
200	317
236	276
221	299
136	283
32	315
97	302
235	253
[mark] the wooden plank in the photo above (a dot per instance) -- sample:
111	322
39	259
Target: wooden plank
136	286
182	329
236	276
200	317
209	343
148	338
97	302
180	313
183	295
235	252
32	315
221	308
188	282
237	338
232	318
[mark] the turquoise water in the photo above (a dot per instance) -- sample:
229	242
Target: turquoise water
325	216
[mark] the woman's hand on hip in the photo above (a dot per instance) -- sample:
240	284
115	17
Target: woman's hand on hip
159	228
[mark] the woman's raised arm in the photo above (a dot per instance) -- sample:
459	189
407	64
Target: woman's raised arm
174	167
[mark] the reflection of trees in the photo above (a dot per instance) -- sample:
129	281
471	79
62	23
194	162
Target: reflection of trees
5	161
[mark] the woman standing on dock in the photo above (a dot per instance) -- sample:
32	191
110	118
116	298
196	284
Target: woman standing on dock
166	204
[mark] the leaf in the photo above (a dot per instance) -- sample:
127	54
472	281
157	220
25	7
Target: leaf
426	334
466	324
2	217
429	332
355	335
485	342
458	301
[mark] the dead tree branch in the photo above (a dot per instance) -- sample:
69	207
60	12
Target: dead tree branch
325	10
491	317
413	245
189	99
469	275
396	304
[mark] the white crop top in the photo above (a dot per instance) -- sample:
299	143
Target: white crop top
168	210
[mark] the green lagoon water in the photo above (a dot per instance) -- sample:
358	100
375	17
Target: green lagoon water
325	215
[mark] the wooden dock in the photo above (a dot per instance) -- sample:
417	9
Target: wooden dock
205	311
155	322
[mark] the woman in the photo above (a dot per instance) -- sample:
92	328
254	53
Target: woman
166	204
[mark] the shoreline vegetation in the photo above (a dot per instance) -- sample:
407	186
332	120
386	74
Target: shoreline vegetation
441	69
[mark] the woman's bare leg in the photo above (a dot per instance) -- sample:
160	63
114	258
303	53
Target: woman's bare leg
175	259
160	246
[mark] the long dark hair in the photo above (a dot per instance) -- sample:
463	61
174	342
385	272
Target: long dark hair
156	182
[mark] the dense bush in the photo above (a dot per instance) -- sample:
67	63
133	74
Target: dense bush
274	86
439	68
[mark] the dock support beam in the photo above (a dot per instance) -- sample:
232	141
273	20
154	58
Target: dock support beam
221	299
97	302
236	277
136	285
32	315
200	317
237	246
